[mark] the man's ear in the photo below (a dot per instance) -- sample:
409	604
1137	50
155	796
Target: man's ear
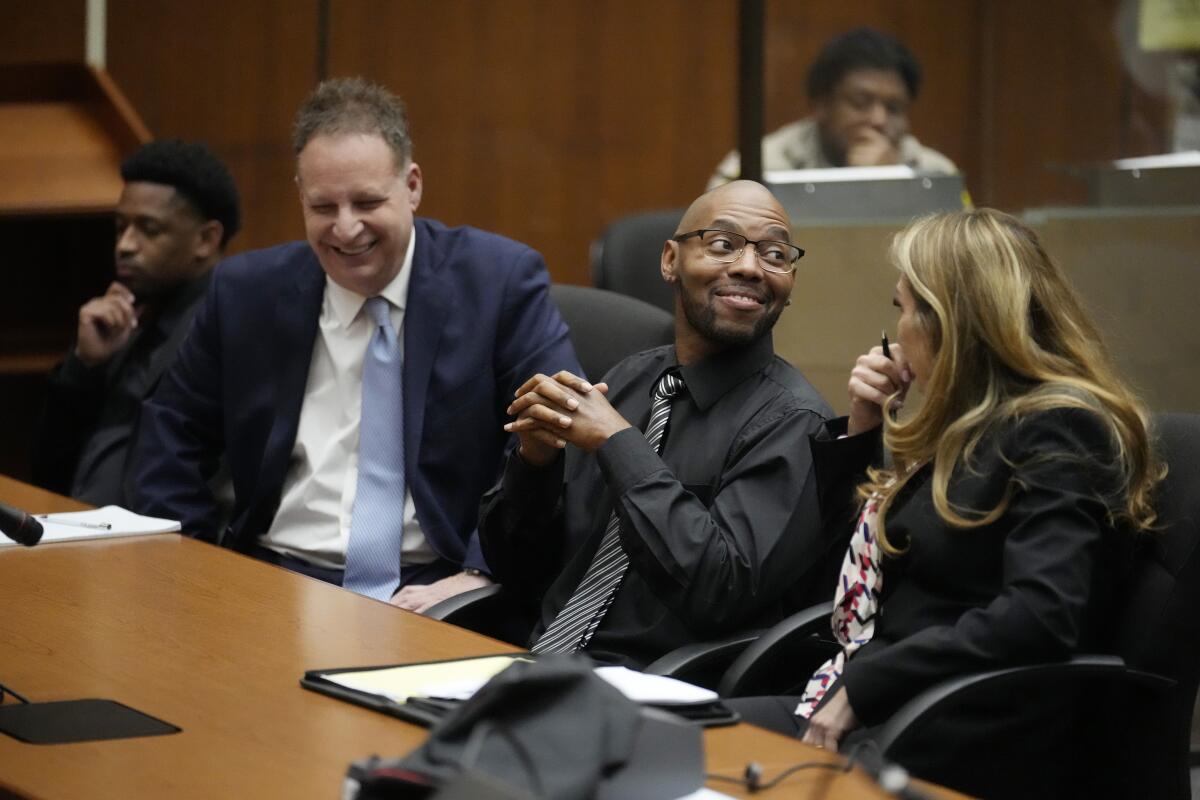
208	240
670	261
415	184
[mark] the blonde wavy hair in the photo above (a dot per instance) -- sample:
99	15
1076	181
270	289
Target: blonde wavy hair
1008	337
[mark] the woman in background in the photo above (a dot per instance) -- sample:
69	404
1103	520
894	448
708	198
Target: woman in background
999	534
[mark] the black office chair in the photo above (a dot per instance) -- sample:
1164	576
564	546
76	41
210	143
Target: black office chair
1134	738
490	610
781	660
605	328
703	663
626	256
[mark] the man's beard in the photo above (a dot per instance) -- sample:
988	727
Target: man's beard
703	319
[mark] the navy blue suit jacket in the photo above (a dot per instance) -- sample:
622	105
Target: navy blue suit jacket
477	324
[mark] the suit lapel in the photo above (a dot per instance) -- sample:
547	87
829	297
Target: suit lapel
296	315
424	315
177	322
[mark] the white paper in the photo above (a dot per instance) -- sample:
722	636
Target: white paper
637	686
98	523
657	689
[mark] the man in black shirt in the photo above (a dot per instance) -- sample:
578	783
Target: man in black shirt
685	508
177	211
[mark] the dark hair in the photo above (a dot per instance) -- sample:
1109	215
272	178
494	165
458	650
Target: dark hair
353	105
862	48
193	171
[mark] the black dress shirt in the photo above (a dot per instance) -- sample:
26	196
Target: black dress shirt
83	437
723	530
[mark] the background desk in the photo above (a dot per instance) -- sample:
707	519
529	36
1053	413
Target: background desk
215	643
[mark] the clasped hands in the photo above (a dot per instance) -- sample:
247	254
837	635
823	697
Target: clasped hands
554	411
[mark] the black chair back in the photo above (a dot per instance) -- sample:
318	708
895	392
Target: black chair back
626	256
606	326
1158	629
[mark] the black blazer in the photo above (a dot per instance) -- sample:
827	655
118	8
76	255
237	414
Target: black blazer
1035	585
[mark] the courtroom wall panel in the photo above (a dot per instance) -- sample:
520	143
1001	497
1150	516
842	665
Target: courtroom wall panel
1056	93
48	30
545	120
231	73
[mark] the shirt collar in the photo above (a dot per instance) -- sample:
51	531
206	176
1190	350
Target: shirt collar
346	304
712	377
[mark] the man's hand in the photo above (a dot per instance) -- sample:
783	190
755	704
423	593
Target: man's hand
105	325
420	598
554	411
871	148
874	378
831	722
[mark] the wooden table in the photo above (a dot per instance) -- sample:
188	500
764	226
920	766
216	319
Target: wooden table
215	643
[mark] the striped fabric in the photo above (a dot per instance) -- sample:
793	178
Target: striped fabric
572	629
377	522
855	604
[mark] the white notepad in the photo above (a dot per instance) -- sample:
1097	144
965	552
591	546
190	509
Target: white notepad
99	523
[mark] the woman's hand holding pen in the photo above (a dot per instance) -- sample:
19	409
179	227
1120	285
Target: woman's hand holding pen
876	376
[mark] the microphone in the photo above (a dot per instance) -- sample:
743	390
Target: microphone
19	526
892	778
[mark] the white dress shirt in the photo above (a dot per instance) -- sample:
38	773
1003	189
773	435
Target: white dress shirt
313	521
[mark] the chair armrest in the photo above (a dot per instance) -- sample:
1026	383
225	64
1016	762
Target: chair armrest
757	669
950	693
450	608
491	610
702	663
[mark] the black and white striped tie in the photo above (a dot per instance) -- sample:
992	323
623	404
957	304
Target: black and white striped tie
574	625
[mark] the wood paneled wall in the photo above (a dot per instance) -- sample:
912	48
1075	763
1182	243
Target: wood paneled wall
48	30
229	72
544	120
547	119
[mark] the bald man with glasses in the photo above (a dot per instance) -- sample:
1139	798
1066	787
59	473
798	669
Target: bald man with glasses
675	501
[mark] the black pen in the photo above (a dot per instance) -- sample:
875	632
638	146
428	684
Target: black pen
887	353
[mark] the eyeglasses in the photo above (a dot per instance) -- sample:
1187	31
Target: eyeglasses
727	246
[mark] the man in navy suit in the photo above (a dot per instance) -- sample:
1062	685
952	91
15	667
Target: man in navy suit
272	374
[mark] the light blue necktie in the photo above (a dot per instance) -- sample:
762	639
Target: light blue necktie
377	522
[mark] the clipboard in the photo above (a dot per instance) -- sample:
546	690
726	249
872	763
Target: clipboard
417	710
426	711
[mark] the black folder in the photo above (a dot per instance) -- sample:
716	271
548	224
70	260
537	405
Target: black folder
418	710
426	711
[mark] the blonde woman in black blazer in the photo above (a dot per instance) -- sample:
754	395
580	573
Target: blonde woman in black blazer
1016	489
